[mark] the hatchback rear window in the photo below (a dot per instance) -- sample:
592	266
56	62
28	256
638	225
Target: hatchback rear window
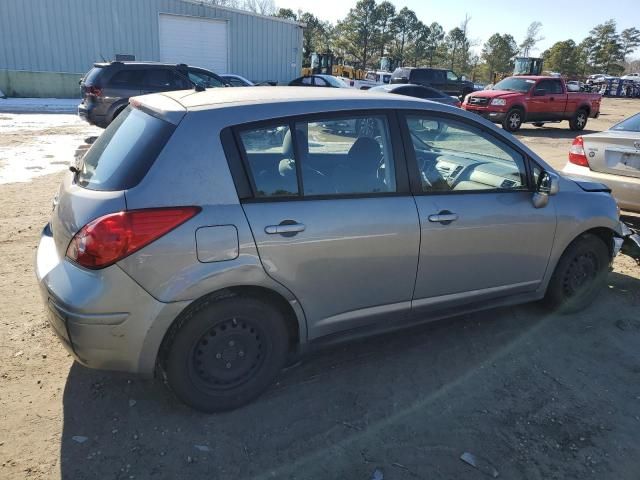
125	151
90	77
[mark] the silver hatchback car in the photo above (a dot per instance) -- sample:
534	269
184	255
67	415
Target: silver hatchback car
207	237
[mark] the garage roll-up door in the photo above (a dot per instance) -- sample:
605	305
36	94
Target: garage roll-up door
196	41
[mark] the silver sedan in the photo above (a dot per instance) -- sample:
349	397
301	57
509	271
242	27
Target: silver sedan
613	158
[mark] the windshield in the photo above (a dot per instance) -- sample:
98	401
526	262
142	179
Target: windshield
335	82
631	124
512	84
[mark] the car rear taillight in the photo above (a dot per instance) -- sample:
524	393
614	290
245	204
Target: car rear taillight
93	91
109	239
576	153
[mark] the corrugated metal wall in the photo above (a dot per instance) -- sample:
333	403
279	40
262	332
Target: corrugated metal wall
69	35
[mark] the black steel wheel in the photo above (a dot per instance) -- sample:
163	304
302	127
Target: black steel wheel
224	353
579	275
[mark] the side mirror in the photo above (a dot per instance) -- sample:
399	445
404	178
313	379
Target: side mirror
539	92
463	78
548	185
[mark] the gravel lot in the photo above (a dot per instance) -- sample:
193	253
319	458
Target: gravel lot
532	395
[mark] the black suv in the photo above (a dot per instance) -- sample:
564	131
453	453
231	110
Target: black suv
438	78
106	88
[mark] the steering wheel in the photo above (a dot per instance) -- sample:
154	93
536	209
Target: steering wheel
430	174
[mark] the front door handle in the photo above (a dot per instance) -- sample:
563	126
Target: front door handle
444	217
284	228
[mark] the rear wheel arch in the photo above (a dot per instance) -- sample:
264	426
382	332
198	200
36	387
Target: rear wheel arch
292	322
117	109
586	107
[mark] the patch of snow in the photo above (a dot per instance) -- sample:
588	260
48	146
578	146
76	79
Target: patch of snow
39	105
36	145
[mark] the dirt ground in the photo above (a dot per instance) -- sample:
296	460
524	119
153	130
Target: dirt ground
532	395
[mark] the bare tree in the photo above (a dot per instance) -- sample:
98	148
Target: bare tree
223	3
263	7
531	38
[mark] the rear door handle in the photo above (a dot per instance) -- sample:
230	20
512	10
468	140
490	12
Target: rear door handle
445	217
291	228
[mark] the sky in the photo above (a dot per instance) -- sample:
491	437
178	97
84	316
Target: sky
561	19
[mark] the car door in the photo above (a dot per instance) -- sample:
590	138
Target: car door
124	84
333	218
481	237
547	101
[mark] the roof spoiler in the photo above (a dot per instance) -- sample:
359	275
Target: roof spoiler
160	106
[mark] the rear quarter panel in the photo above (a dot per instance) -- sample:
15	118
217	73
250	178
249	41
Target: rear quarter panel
193	170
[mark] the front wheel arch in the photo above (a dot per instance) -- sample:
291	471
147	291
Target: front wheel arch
580	272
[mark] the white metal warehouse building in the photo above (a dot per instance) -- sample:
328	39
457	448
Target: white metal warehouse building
46	45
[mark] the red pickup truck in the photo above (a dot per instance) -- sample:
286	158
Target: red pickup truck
520	99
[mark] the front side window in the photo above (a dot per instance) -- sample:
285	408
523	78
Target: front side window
201	78
236	82
452	77
453	157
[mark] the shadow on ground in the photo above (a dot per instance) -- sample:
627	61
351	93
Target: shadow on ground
505	384
557	131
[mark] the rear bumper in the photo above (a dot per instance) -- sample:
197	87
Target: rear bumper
626	190
103	318
88	114
491	115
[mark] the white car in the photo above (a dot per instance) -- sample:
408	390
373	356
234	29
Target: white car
631	76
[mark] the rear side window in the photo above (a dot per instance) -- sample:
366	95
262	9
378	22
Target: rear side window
125	151
126	78
333	156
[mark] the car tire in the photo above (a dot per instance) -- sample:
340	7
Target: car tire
538	124
579	120
579	275
225	352
513	120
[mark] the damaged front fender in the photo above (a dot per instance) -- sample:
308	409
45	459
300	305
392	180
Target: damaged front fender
629	242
